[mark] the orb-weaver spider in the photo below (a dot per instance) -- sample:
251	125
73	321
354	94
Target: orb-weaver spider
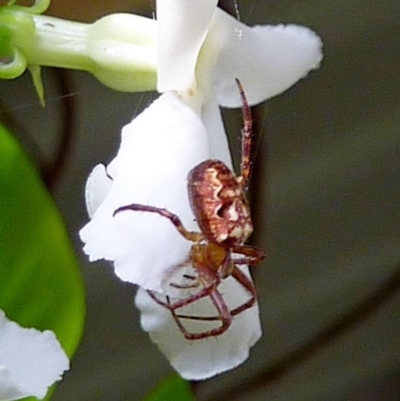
218	201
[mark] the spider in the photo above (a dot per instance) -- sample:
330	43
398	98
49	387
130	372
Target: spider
218	202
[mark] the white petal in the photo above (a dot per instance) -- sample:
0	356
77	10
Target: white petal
97	188
183	26
158	149
219	147
266	59
201	359
30	361
9	388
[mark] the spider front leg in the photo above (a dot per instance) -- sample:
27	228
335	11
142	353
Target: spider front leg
173	218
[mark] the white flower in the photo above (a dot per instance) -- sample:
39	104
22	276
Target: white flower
30	361
201	52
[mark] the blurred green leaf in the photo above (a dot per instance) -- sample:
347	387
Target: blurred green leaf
40	284
172	388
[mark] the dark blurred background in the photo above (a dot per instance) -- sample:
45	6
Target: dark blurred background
325	197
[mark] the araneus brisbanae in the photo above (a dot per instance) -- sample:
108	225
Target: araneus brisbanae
218	202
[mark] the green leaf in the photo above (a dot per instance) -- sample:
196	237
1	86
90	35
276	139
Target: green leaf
171	388
40	284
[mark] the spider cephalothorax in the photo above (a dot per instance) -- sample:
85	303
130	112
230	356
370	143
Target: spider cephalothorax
219	204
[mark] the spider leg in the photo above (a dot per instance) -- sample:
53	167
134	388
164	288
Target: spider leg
186	286
184	301
225	270
223	315
240	277
173	218
223	312
247	132
189	276
252	255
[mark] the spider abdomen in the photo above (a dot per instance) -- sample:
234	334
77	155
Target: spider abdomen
219	203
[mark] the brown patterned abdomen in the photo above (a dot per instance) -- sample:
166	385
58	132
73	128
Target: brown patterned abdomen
219	204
